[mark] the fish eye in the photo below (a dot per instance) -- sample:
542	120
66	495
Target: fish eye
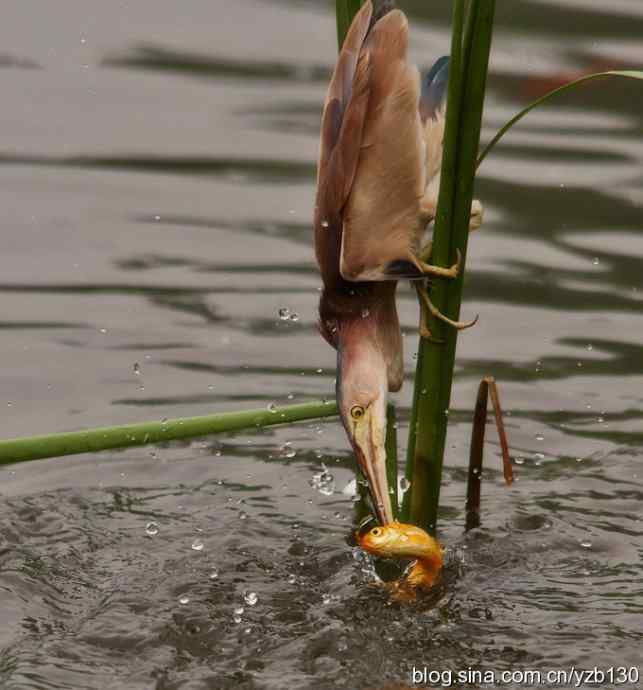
376	532
357	412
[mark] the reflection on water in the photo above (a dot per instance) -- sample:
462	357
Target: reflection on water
157	180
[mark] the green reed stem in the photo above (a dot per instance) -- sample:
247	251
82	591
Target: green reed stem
147	433
436	359
345	10
391	455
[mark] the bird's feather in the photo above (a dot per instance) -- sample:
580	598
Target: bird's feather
341	133
434	89
433	113
340	87
381	217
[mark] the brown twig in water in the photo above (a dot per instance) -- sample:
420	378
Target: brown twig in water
476	453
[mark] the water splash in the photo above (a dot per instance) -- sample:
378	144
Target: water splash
152	529
323	481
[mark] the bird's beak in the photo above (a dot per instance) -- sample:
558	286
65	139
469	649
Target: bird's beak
369	438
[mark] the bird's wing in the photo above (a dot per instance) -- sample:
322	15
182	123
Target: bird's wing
432	112
434	89
341	135
341	89
381	226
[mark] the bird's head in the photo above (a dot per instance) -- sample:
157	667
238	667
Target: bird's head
362	387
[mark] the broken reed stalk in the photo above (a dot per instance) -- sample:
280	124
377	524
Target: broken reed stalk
148	433
436	358
474	479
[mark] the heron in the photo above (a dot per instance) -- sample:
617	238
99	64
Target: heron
378	180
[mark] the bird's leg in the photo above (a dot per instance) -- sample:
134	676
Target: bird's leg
423	294
439	271
487	385
425	252
429	205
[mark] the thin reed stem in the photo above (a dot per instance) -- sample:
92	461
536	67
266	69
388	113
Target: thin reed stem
148	433
436	358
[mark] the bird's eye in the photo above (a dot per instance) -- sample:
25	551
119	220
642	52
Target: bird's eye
376	532
357	412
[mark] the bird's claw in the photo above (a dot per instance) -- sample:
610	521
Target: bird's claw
458	325
426	334
439	271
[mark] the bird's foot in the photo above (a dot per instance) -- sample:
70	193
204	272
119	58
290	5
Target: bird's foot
426	300
477	214
428	210
439	271
425	331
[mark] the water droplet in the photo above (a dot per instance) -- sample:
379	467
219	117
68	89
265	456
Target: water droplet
405	485
103	330
366	313
197	545
326	599
152	529
284	313
596	261
184	599
325	223
539	437
319	371
214	574
600	420
519	460
287	451
579	459
251	598
243	515
586	544
137	369
292	579
290	396
272	408
323	481
538	459
294	317
590	347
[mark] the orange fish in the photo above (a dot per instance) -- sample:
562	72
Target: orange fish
399	540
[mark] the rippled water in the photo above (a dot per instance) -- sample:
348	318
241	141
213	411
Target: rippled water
156	182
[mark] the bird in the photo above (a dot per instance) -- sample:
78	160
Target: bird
378	180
